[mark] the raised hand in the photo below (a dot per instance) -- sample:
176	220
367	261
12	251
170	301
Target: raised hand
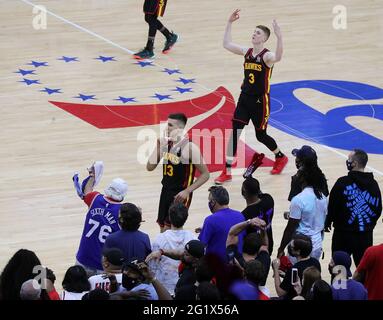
234	16
146	272
91	170
277	29
156	255
258	223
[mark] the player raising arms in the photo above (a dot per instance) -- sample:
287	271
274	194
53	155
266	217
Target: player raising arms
254	100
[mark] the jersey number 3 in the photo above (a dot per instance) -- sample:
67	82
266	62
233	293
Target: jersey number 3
251	78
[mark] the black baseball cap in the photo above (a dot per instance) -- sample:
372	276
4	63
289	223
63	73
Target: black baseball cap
114	256
195	248
133	264
306	152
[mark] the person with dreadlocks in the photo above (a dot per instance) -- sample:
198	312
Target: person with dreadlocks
307	158
308	211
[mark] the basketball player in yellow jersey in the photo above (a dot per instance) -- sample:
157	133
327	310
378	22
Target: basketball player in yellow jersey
181	158
254	101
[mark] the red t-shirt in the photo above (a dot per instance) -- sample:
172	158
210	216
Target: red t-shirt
372	266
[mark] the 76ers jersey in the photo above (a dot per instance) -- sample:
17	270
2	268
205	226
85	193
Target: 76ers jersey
101	220
176	174
257	74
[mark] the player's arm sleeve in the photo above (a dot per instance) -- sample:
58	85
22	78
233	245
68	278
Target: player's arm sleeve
89	197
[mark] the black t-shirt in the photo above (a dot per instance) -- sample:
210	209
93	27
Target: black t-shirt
301	266
265	211
187	292
262	256
187	277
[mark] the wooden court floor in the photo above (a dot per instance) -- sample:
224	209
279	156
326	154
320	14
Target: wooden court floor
43	145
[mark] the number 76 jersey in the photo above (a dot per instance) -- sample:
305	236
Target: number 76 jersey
101	220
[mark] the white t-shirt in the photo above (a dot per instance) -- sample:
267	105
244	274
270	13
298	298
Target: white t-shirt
311	212
166	269
98	281
66	295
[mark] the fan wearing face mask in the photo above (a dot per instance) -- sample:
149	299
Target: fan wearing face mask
355	205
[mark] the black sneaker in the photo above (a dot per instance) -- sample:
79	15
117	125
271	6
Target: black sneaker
170	42
144	54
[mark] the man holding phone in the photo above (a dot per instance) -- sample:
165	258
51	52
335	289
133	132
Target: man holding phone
300	248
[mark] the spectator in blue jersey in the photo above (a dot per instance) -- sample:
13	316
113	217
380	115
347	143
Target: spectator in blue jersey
216	227
132	242
100	221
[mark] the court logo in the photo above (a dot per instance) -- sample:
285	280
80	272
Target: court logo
331	128
39	21
339	21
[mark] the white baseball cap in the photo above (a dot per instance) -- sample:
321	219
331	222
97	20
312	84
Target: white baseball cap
117	190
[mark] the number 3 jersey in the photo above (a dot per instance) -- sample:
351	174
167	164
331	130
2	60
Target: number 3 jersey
256	74
100	221
177	173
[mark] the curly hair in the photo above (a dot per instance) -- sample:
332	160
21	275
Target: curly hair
18	270
314	177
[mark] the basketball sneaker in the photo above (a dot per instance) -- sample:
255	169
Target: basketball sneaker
254	164
170	42
223	177
279	165
144	54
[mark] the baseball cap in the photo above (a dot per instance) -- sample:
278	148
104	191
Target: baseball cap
133	264
117	190
195	248
306	152
342	258
114	256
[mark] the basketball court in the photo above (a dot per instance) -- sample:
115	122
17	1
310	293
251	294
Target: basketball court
71	94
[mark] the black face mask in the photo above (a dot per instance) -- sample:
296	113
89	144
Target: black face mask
298	164
211	205
129	283
349	165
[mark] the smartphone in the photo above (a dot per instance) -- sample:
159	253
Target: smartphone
294	275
